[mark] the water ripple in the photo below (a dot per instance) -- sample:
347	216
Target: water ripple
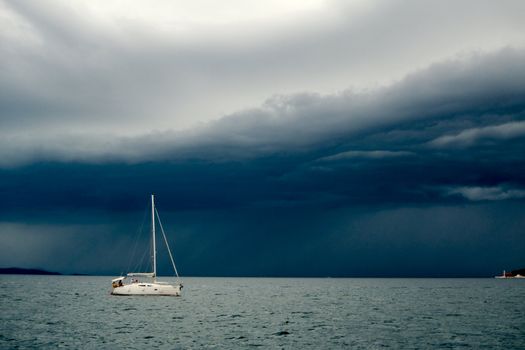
226	313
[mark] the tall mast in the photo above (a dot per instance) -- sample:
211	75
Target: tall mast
153	237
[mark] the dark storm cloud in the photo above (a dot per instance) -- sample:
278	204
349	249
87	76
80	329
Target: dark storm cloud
457	124
484	92
447	104
422	177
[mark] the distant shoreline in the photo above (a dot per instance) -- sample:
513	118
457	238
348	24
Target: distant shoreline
22	271
42	272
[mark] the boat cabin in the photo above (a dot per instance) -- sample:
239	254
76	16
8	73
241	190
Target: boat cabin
117	282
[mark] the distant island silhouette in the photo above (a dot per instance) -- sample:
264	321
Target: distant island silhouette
22	271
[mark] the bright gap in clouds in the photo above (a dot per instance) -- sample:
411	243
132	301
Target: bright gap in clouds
190	15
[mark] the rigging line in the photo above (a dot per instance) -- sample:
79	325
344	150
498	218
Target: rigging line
137	235
167	245
141	266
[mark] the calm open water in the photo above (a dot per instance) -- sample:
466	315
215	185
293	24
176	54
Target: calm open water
225	313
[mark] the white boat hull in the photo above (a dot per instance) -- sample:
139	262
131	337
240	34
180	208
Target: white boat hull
148	289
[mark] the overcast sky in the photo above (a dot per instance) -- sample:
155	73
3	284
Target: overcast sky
344	138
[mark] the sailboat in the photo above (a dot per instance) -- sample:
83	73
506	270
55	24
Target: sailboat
131	283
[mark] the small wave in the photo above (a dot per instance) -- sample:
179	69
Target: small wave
281	333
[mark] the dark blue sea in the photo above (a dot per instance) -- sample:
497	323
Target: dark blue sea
291	313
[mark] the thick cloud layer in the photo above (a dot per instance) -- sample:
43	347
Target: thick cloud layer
454	104
455	124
